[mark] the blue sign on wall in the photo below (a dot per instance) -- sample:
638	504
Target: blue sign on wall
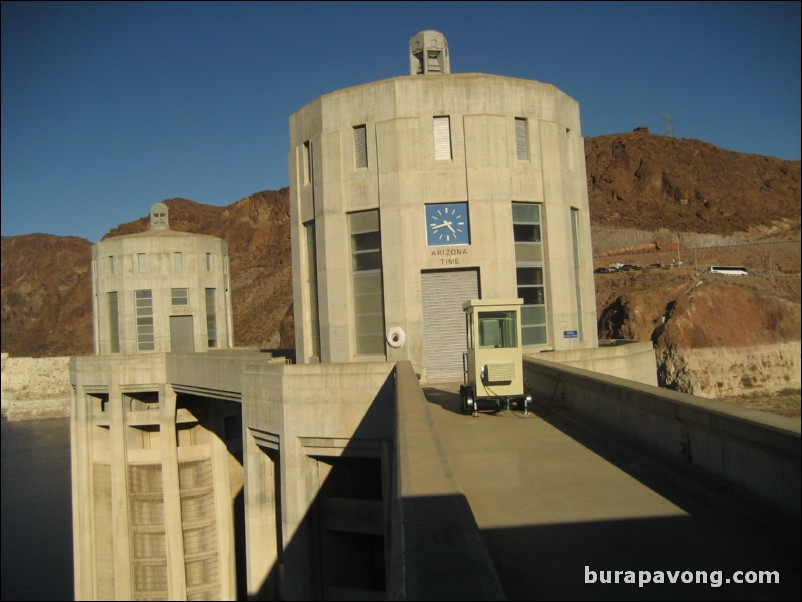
569	334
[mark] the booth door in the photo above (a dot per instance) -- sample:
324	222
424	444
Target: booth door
444	292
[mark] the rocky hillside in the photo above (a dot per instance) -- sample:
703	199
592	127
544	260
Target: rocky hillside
643	181
654	200
46	304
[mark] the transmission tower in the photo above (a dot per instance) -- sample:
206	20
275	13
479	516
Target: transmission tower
668	129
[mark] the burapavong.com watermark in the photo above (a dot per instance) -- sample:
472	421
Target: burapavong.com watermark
711	578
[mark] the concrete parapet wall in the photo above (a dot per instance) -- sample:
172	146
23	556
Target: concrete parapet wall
130	370
35	388
753	449
437	552
632	360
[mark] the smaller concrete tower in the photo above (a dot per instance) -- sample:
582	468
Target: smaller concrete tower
428	54
161	290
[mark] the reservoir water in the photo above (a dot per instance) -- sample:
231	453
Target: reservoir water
36	511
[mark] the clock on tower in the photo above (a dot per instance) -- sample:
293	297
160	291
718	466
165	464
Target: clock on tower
447	224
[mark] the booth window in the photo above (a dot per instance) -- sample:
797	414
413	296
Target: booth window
497	330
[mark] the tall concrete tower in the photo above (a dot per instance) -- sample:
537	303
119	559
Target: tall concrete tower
156	466
410	195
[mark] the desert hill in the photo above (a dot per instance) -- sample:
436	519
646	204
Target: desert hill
653	200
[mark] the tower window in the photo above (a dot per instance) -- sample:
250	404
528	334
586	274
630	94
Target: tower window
442	138
366	272
576	245
211	318
144	320
530	272
311	268
360	146
521	139
114	323
307	162
180	296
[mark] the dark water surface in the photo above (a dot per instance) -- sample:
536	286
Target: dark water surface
36	511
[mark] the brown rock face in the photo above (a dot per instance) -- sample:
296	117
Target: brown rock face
644	181
46	304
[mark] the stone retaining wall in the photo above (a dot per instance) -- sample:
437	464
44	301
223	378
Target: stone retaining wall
35	388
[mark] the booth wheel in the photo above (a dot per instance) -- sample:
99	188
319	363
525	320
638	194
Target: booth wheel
467	401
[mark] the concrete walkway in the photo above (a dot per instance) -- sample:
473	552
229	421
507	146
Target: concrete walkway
559	503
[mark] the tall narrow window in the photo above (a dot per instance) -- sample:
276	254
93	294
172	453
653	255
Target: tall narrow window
178	261
208	262
366	271
144	320
307	162
311	282
442	138
530	272
114	323
577	265
211	318
521	139
360	146
111	264
141	262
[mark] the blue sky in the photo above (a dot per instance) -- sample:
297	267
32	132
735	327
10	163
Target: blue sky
108	107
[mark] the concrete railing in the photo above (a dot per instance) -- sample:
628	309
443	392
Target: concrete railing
437	552
215	374
756	450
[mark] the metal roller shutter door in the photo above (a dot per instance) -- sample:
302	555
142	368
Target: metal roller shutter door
444	321
182	337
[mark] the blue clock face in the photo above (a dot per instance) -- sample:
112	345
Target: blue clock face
447	224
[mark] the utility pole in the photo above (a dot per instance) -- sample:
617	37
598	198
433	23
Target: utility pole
668	126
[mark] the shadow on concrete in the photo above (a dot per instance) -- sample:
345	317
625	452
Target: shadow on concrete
449	401
578	561
324	562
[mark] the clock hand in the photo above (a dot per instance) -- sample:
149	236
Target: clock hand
450	228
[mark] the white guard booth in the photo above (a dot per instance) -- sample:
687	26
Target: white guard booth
493	364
